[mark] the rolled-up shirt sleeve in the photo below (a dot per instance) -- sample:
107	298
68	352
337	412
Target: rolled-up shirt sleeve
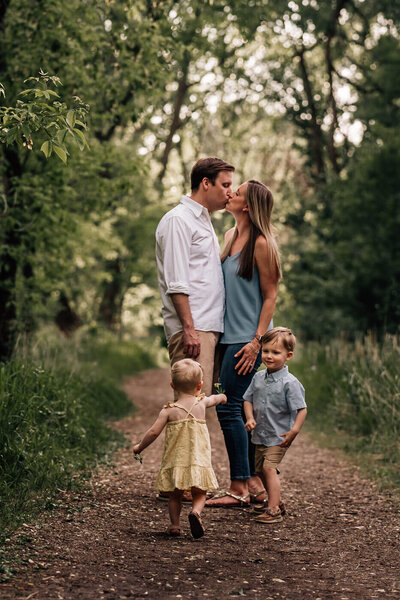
295	395
176	242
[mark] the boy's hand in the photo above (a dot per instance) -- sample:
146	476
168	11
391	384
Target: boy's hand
250	424
288	438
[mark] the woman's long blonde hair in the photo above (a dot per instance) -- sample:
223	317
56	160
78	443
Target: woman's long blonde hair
260	202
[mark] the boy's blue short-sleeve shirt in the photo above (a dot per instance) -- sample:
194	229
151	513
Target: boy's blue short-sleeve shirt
276	398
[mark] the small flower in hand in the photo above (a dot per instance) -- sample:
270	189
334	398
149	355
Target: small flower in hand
136	454
219	389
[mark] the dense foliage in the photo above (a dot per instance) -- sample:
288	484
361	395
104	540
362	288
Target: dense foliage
353	399
53	420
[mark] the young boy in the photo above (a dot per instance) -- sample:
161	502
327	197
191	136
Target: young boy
275	408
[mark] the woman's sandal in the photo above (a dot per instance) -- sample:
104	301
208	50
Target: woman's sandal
253	497
174	531
262	507
241	501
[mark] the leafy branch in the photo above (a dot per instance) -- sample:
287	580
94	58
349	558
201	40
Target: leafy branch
40	113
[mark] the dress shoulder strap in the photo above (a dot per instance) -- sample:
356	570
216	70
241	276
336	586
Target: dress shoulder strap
188	412
169	405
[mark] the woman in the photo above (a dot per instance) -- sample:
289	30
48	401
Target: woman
251	266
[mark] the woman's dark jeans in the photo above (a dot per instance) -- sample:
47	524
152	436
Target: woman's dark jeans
231	415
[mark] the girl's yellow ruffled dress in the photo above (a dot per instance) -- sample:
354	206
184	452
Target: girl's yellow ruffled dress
186	459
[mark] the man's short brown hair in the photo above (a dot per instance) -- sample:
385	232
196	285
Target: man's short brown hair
208	167
280	333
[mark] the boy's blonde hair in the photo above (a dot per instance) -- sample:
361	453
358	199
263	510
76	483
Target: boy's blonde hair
186	374
280	333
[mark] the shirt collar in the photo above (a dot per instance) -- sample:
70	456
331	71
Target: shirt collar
194	206
277	374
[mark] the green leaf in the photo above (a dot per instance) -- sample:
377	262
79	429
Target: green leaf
46	149
71	118
79	133
61	153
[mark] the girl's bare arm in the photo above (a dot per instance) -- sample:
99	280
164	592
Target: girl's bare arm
214	400
152	433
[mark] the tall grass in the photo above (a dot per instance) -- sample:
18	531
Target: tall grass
353	391
54	406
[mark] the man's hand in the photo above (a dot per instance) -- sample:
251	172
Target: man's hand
191	343
250	424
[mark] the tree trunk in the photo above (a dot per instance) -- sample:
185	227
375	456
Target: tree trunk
3	9
111	303
8	331
316	133
67	319
332	109
176	123
330	34
8	264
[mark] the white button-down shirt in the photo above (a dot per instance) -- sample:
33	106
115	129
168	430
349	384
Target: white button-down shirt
188	262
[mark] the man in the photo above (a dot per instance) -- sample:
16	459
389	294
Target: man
189	268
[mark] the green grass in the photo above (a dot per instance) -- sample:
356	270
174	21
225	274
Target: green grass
353	397
55	404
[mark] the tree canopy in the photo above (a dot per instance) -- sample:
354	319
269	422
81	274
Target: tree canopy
301	95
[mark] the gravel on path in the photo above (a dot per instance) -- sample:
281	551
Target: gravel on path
339	540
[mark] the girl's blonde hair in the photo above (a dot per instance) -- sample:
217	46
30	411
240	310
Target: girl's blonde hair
260	202
186	374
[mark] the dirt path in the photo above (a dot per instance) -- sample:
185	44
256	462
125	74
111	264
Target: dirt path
340	539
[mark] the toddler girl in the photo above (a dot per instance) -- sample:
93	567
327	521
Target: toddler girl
186	460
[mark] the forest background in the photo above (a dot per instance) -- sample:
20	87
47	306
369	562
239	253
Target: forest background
104	107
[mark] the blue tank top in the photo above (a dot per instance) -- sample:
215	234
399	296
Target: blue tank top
243	303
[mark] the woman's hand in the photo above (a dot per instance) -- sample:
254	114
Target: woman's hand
248	356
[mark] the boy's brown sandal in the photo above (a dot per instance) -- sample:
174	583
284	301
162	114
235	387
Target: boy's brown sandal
268	517
262	507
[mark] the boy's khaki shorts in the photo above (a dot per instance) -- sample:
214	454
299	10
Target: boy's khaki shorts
268	457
